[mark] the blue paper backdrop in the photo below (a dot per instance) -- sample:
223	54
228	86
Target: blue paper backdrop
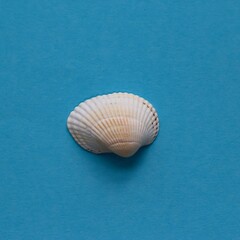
182	56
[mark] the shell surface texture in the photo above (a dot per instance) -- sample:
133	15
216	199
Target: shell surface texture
120	123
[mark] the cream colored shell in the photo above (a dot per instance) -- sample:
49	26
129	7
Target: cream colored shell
119	122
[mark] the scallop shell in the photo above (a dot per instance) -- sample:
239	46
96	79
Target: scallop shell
119	122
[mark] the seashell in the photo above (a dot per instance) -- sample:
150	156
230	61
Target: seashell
119	122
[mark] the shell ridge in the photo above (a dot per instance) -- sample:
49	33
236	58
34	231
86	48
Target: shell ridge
108	120
148	113
89	122
94	100
95	127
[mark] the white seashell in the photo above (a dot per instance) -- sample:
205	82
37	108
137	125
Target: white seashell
119	122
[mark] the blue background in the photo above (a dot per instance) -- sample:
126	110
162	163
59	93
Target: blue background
182	56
